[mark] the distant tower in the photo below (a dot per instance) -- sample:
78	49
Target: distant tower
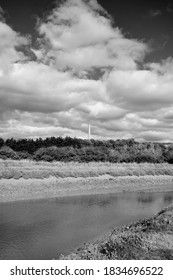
89	131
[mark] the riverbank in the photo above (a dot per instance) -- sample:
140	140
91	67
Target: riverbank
29	189
146	239
28	169
26	180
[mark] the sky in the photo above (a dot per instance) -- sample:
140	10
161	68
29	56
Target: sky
64	64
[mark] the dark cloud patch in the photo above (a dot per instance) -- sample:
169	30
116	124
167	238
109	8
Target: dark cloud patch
2	14
154	13
169	8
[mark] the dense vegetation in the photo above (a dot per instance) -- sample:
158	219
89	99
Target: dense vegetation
81	150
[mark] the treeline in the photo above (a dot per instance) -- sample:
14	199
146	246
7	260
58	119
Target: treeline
75	149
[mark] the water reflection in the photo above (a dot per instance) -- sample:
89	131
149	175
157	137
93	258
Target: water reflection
101	200
146	197
46	228
168	198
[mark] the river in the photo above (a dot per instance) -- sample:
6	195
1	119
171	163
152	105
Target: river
44	229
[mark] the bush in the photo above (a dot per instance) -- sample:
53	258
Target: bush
1	142
146	157
55	153
41	154
87	154
6	153
169	156
114	155
24	155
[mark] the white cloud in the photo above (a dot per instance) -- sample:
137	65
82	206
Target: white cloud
8	43
85	70
40	88
164	67
141	89
77	36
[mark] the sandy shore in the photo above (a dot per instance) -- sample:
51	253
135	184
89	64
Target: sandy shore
26	189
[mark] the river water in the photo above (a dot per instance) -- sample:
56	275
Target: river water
44	229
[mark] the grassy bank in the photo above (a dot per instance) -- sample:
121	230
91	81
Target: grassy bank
25	180
28	189
39	170
146	239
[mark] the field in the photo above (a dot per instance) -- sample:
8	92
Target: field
23	180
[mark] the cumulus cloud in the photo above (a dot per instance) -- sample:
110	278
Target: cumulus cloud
164	67
85	70
143	90
40	88
79	35
10	40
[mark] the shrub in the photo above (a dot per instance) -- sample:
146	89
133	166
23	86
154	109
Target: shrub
55	153
40	154
24	155
6	153
169	156
114	155
87	154
1	142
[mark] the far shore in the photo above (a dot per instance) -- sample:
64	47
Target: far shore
28	180
30	189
